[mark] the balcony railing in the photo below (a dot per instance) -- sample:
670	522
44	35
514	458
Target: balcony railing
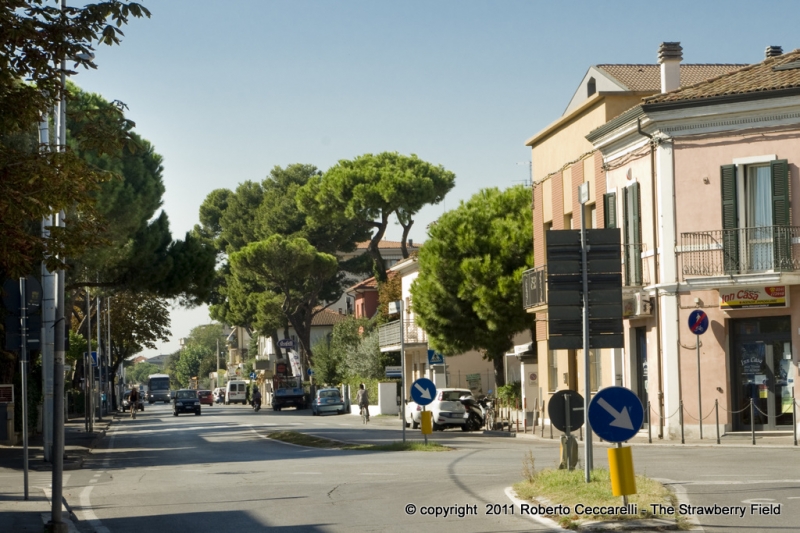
389	334
740	251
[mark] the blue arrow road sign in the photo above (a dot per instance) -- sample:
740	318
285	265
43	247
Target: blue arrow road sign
423	391
616	414
435	358
698	322
252	375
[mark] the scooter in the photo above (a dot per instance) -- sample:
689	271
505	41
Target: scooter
256	404
476	415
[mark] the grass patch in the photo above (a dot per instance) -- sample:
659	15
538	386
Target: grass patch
553	487
302	439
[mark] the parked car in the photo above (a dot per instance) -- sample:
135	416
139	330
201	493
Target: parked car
447	409
205	397
185	401
327	401
126	402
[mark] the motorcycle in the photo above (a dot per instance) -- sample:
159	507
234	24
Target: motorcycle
256	403
476	414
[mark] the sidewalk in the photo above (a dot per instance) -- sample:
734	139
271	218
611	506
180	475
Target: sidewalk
20	515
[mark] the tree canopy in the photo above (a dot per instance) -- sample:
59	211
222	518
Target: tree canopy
467	295
369	189
35	182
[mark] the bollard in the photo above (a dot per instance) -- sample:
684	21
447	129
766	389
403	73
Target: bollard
649	425
716	409
680	417
794	418
580	433
752	423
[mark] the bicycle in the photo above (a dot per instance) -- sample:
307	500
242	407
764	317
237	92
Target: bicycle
364	415
490	416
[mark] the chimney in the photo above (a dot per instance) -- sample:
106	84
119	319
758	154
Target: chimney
411	242
773	51
670	56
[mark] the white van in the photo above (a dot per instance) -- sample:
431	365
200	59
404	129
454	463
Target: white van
236	391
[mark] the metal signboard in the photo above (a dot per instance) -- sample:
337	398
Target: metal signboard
616	414
286	343
423	391
557	409
698	322
435	358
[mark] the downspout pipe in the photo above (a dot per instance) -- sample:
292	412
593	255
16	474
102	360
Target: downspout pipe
657	307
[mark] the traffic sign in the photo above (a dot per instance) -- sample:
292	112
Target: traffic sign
616	414
423	391
252	375
435	358
557	409
698	322
286	343
310	371
94	358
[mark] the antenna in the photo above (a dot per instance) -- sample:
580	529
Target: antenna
528	182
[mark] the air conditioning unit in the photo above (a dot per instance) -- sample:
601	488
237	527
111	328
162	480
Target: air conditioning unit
637	305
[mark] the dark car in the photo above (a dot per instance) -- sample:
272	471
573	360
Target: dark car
126	402
185	401
205	396
327	401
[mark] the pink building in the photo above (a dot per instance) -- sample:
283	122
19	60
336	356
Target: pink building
699	180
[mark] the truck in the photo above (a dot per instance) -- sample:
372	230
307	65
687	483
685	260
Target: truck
288	391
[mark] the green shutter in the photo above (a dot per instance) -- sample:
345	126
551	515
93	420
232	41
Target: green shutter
636	234
730	220
780	193
610	205
626	249
781	216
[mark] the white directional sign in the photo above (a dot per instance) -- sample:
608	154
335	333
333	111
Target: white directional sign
423	391
616	414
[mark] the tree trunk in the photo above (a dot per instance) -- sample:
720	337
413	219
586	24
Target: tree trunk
378	265
499	370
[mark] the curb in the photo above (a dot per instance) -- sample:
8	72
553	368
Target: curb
548	522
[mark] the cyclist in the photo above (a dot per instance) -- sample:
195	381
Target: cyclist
134	401
362	398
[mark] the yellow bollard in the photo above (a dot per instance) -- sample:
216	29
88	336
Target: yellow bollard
620	465
426	422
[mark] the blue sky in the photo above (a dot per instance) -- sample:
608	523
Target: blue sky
226	90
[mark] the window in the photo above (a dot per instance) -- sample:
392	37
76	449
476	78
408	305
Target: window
552	370
756	232
568	222
591	87
594	370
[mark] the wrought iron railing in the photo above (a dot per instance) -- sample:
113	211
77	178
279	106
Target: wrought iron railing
740	251
534	287
389	334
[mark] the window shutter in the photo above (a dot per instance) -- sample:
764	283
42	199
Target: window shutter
730	220
780	193
626	248
610	205
636	234
781	216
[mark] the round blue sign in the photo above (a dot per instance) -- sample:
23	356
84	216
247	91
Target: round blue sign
423	391
698	322
616	414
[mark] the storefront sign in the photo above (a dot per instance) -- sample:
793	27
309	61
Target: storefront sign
753	297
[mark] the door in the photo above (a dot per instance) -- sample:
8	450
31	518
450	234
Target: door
758	190
639	341
762	373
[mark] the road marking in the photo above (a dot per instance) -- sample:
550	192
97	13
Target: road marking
744	482
88	513
375	474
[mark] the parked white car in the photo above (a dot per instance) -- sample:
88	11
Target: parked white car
447	409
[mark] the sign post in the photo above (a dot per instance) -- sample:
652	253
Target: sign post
698	323
567	414
396	307
423	391
616	415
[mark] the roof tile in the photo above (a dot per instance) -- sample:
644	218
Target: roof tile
647	77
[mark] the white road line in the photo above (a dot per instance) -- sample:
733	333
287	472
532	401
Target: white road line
88	513
742	482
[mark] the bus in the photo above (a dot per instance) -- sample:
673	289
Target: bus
158	388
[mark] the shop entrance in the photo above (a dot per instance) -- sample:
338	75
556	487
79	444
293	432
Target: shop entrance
761	364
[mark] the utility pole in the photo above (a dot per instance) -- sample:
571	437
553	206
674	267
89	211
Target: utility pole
217	363
48	315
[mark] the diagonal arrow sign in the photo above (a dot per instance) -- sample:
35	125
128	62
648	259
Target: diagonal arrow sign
425	393
621	419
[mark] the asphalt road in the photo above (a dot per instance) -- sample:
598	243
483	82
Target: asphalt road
218	472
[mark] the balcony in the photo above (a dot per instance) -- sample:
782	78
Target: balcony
635	273
740	251
389	335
